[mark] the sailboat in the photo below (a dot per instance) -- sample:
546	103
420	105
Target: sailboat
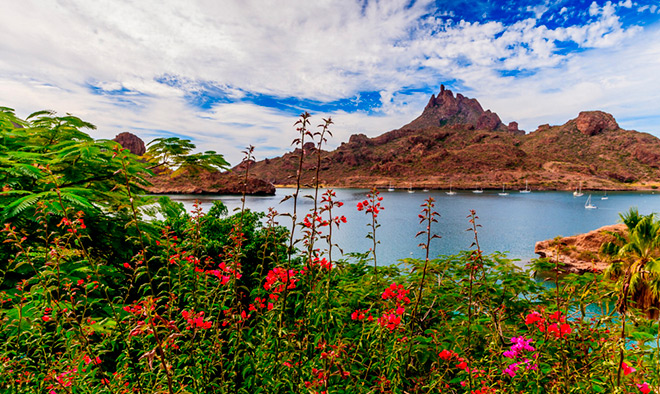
503	193
526	190
410	189
390	189
578	191
605	197
450	192
478	191
588	204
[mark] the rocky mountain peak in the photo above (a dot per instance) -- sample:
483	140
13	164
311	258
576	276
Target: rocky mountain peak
595	122
447	110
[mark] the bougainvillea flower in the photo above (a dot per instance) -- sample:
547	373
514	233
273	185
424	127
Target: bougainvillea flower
627	370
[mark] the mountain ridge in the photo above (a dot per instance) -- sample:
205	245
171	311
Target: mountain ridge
454	141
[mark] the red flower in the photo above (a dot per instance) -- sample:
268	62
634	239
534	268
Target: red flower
462	364
196	320
627	370
446	354
559	330
533	318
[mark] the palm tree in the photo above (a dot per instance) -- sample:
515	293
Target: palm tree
635	263
636	267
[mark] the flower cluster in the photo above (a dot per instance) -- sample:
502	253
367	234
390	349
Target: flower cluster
396	292
555	324
138	308
196	320
279	279
89	360
519	345
329	203
225	272
448	355
393	317
361	314
321	263
72	226
260	303
63	379
46	317
371	204
331	354
309	220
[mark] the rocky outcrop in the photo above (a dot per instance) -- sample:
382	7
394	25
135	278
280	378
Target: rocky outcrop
446	110
208	183
131	142
513	128
579	253
595	122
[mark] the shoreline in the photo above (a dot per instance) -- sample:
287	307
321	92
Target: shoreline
459	188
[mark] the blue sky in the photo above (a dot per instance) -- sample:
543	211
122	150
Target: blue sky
238	72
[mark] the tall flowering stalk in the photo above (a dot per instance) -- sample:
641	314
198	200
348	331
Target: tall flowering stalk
475	262
372	206
303	130
428	217
329	202
315	210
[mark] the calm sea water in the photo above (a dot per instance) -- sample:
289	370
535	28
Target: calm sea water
511	224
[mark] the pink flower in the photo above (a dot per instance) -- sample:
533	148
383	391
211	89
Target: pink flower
644	388
627	370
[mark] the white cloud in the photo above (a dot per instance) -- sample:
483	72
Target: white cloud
626	4
314	50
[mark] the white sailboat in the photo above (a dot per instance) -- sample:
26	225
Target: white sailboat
605	197
588	204
478	191
450	192
503	193
578	191
410	189
526	190
390	189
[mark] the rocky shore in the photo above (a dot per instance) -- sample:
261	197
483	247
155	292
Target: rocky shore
209	183
579	253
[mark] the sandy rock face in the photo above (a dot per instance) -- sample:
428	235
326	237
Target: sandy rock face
131	142
579	253
595	122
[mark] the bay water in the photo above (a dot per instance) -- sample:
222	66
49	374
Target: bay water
510	224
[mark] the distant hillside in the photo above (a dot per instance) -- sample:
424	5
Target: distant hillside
454	141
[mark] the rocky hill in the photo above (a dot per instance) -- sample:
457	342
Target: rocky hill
454	141
205	182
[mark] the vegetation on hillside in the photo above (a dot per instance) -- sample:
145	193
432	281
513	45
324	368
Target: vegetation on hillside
94	299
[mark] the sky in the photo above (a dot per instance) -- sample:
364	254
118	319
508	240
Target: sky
231	73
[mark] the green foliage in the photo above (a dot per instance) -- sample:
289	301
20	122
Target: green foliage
211	302
176	153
